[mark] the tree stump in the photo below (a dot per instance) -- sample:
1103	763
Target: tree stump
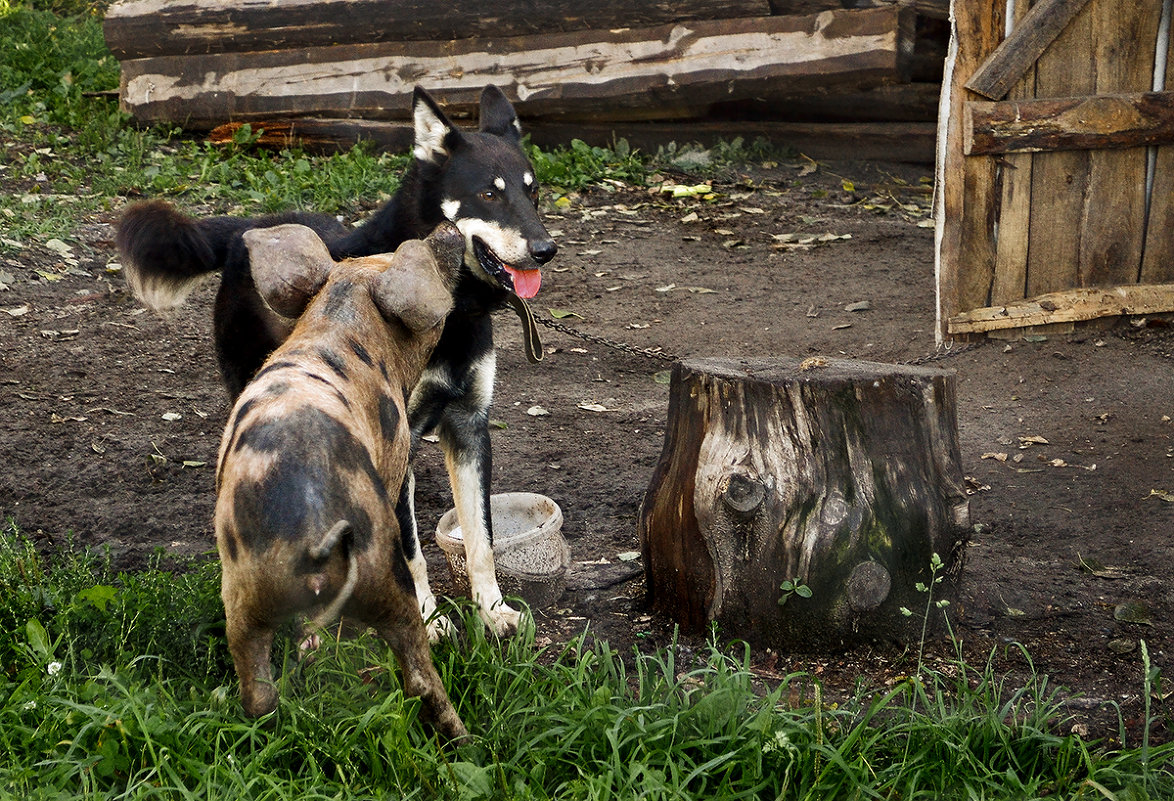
842	477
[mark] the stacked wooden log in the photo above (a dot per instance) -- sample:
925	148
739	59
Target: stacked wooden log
203	63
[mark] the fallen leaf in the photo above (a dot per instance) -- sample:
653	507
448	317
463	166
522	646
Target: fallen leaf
861	305
1133	612
59	247
191	463
562	314
682	190
998	457
1121	646
628	556
723	232
537	411
19	311
668	288
171	417
1099	570
56	418
1058	463
1027	442
1164	495
690	217
595	407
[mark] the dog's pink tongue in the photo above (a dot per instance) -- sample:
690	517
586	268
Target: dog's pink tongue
526	282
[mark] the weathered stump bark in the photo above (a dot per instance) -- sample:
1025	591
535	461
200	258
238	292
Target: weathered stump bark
843	475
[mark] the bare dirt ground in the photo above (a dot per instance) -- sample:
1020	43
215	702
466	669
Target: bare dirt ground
112	418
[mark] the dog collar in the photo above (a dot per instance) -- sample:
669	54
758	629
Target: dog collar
533	341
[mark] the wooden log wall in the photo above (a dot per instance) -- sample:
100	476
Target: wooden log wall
583	73
143	28
1056	166
204	63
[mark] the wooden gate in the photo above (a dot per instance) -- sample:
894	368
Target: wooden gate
1055	196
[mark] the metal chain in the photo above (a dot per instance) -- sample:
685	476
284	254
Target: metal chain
942	353
651	353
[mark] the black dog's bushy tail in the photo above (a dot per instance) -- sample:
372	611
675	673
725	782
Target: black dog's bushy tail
166	253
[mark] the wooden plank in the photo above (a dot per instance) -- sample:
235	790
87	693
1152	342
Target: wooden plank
935	9
593	71
1096	122
1113	222
321	135
1059	180
1157	263
1073	305
891	102
966	194
1007	65
144	28
1014	180
905	142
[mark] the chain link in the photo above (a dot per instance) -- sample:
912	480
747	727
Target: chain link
942	353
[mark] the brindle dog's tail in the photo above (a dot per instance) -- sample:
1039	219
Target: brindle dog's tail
167	254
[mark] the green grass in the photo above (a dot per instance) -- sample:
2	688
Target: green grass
116	685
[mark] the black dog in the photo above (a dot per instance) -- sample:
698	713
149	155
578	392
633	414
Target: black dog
483	183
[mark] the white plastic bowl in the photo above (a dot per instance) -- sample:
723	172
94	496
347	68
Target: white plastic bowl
529	550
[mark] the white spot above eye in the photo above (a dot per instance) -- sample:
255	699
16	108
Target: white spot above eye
450	208
528	178
499	183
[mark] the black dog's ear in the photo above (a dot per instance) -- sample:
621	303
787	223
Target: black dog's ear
435	135
498	116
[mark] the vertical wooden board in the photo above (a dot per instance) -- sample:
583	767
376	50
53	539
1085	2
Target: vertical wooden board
966	191
1157	264
1059	180
1113	223
1010	281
